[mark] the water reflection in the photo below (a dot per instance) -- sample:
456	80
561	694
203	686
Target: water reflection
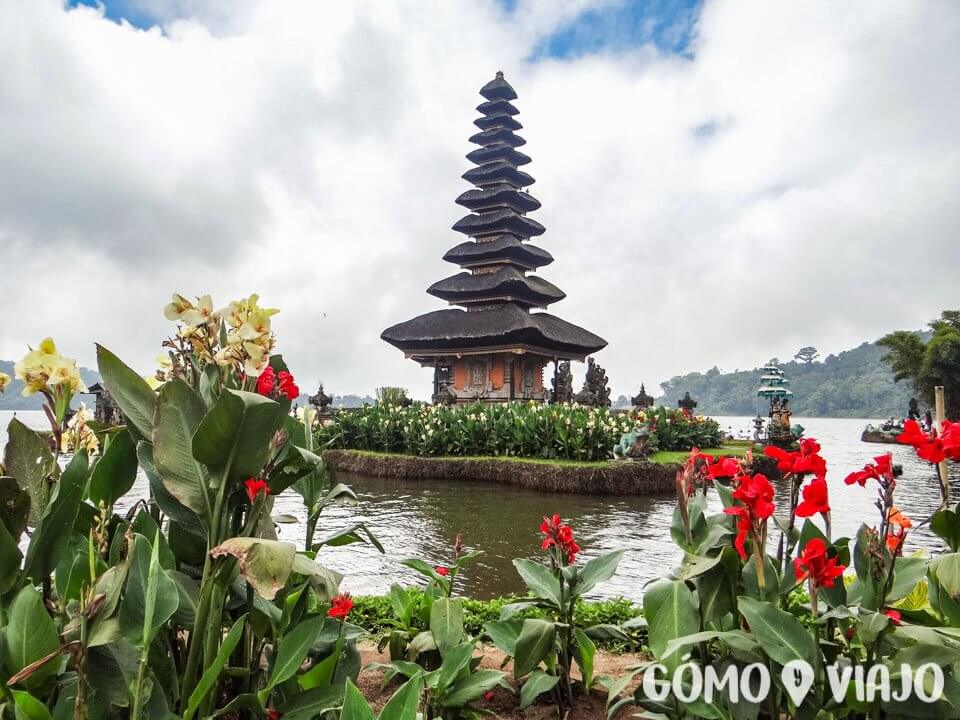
421	519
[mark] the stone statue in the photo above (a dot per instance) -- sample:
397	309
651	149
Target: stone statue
687	403
562	384
595	389
642	401
321	401
634	445
105	410
758	428
443	392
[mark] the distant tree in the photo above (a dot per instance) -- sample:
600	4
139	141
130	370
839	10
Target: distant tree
806	354
928	363
773	361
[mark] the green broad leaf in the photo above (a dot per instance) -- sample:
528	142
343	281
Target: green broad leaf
245	701
115	472
424	568
455	660
235	438
170	506
696	565
145	525
212	673
771	579
10	558
781	635
292	651
150	597
421	643
597	571
188	592
27	707
469	688
31	635
312	704
112	671
540	580
321	674
534	644
907	574
404	703
446	623
179	413
187	546
359	532
56	525
265	564
27	458
734	639
325	582
946	525
130	391
606	631
504	634
14	507
355	706
673	607
209	385
536	685
72	574
584	651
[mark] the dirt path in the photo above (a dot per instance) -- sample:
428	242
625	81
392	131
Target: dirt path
504	704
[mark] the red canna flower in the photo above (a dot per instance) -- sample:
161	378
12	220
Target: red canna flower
724	467
254	486
488	695
442	571
288	387
756	495
340	606
558	534
266	381
817	566
805	461
897	537
815	499
894	616
881	469
274	714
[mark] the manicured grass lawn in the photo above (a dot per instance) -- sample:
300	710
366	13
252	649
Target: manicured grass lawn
734	448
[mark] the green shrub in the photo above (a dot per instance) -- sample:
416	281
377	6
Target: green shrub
569	432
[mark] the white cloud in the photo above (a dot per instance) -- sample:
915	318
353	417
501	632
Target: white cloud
312	151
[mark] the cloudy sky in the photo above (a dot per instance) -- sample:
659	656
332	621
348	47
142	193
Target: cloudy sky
721	182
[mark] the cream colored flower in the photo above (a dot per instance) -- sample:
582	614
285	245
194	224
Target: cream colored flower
78	435
175	309
4	381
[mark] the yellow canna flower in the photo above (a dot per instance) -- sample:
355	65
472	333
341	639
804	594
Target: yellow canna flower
4	381
201	314
177	307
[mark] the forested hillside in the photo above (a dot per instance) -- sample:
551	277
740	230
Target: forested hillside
855	383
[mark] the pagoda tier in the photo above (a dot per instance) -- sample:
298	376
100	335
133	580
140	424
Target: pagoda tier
507	328
499	250
506	284
507	344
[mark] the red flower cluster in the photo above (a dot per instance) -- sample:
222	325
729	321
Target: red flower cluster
723	467
340	606
880	469
816	565
929	447
815	498
756	494
254	486
805	461
558	534
282	381
442	571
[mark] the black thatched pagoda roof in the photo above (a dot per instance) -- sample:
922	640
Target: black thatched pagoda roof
503	248
497	290
503	327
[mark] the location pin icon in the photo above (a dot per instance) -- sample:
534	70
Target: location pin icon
797	678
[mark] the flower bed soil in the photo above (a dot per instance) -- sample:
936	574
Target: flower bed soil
625	477
504	704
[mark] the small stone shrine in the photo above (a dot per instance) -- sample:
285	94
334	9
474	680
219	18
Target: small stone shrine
687	403
642	401
596	391
562	384
496	347
321	402
105	409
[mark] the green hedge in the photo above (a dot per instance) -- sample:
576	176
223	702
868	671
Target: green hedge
527	430
373	614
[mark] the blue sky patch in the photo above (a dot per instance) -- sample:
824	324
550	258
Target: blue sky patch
667	24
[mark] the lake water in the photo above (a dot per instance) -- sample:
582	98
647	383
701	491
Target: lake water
422	519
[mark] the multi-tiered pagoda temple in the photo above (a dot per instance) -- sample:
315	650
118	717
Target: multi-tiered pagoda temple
496	347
